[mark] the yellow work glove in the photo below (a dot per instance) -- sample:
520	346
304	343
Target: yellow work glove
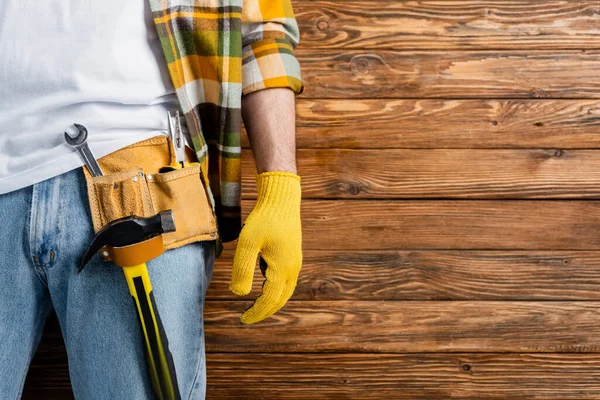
272	230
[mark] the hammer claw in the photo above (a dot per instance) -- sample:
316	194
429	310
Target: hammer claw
128	231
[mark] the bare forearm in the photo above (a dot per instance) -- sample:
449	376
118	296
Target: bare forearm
270	120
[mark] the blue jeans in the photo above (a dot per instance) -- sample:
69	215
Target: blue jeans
45	229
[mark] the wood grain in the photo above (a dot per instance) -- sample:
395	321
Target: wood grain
432	275
466	24
368	376
407	327
449	224
450	74
359	123
405	376
441	173
48	376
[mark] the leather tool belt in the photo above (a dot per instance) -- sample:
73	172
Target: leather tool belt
133	185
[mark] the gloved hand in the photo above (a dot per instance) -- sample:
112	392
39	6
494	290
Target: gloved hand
273	230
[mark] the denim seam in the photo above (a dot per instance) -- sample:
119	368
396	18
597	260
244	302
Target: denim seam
202	340
189	397
61	218
30	357
32	222
202	344
52	261
207	256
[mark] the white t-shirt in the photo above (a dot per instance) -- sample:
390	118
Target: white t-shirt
96	63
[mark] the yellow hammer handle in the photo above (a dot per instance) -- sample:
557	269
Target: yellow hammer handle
160	361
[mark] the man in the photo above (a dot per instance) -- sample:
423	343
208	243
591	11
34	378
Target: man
117	68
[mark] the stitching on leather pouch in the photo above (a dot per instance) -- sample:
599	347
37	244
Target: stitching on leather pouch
150	142
94	211
177	174
166	178
110	179
99	214
146	190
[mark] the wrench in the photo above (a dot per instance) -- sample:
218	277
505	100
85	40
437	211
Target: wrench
80	144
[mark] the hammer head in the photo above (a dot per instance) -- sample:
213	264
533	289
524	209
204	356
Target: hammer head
127	231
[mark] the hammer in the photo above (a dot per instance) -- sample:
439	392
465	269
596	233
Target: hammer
130	242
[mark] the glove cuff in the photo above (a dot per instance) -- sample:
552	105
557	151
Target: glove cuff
279	192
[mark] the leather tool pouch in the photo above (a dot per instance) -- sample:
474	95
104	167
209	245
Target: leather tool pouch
132	185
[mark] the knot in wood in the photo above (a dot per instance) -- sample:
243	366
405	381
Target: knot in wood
361	65
539	93
353	190
322	24
348	187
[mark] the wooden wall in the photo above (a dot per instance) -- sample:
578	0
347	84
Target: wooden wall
451	212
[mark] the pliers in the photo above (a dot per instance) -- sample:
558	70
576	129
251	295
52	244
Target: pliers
178	140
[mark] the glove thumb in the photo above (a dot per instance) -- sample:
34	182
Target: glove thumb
244	263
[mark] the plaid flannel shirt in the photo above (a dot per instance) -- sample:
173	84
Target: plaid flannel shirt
217	51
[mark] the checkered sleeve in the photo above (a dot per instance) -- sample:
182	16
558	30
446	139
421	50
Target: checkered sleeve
269	37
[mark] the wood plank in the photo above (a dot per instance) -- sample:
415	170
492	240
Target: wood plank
47	393
48	375
379	376
390	124
466	24
441	173
49	382
407	327
432	275
449	224
450	74
406	376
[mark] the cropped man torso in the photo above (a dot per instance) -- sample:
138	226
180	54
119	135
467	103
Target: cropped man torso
117	68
